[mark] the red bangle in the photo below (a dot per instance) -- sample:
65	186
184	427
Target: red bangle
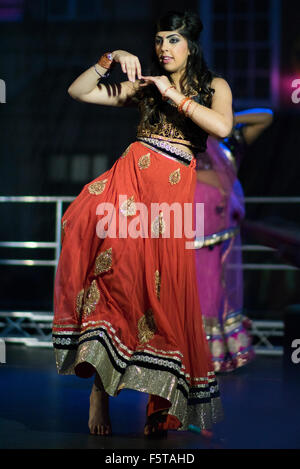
186	111
180	106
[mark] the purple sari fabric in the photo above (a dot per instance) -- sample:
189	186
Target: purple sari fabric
219	266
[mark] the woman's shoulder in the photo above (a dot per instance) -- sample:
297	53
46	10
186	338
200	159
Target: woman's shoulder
220	84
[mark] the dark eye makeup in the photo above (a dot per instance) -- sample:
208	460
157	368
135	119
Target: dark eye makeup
172	40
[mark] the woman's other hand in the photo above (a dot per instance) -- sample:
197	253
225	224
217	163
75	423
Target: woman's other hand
161	82
130	64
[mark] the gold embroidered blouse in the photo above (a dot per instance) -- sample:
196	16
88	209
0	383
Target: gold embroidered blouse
174	127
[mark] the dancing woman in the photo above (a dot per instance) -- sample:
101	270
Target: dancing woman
221	285
126	307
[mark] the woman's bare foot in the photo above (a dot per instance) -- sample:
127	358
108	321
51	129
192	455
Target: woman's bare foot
99	421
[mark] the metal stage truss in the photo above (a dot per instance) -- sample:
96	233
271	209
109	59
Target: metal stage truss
33	328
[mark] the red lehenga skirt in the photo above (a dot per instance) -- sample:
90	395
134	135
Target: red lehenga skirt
127	306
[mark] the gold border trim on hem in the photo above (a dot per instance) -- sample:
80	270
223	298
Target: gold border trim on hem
127	354
156	382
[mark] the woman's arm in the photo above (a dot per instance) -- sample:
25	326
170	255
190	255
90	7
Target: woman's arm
86	87
217	120
256	121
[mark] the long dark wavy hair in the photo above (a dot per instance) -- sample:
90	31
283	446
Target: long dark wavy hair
197	76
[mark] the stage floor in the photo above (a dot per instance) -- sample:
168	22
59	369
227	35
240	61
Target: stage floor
39	409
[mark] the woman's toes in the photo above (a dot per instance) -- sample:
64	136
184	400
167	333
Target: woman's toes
92	430
100	430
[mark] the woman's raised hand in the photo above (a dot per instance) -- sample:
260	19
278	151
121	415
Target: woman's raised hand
130	64
161	82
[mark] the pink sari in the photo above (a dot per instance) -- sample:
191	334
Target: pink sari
219	260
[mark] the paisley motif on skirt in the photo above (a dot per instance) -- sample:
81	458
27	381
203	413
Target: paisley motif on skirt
128	208
91	299
157	283
144	161
96	188
158	225
79	301
63	226
175	177
146	327
103	262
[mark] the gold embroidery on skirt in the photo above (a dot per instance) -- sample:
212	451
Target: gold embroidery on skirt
175	177
146	327
125	152
92	298
97	187
128	208
79	300
103	262
63	226
144	161
157	283
158	226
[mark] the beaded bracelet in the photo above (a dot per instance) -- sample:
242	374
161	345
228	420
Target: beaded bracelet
106	74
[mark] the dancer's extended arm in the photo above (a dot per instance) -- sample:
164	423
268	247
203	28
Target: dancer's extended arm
86	87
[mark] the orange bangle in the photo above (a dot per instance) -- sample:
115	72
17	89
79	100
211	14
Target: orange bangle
180	106
193	110
186	111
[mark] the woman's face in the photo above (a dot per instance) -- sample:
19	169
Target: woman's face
172	50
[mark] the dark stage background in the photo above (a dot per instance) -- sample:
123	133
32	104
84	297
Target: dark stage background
53	145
